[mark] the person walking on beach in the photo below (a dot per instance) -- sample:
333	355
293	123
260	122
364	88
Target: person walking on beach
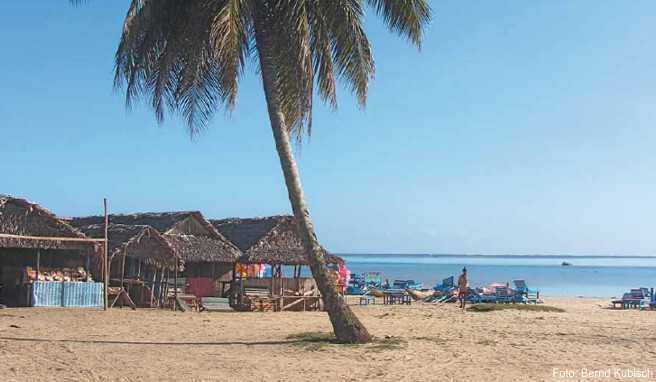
463	287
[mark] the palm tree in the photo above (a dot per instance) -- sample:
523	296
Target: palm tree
188	56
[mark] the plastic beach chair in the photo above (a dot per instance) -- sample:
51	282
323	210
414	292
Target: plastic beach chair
524	294
503	295
636	298
447	284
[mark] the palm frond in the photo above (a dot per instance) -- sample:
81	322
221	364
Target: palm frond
406	17
351	52
185	55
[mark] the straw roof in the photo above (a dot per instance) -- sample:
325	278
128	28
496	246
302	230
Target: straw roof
136	241
270	240
197	249
164	222
19	217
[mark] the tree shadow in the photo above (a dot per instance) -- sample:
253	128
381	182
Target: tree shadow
110	342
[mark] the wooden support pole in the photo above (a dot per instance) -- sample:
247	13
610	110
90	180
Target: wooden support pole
152	288
166	287
273	278
175	288
161	288
105	251
282	287
38	263
125	254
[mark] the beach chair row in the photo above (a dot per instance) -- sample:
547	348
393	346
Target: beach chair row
521	293
638	298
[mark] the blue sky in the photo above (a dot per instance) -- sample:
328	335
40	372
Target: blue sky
521	127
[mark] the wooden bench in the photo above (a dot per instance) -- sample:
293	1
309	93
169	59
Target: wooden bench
184	302
394	297
257	292
366	299
300	303
215	304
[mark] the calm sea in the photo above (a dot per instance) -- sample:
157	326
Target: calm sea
588	276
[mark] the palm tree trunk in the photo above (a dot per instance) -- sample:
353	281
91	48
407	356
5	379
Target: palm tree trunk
346	325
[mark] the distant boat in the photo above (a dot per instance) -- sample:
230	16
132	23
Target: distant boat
565	264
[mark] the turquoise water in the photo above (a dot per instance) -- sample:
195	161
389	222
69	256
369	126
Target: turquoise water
590	276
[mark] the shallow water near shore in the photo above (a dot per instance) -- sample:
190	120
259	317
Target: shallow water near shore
589	276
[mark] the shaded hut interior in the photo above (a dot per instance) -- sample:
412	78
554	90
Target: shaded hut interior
209	263
141	261
36	245
274	241
207	255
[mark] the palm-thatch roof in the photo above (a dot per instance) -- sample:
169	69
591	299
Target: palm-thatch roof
270	240
136	241
197	249
164	222
24	224
192	237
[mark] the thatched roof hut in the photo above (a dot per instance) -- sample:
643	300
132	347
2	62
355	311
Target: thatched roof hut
267	240
203	249
177	222
24	224
136	241
191	237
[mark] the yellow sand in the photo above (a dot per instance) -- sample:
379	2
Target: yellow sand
429	343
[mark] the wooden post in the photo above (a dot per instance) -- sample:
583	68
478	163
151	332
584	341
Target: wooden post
152	288
175	287
161	288
38	264
282	287
105	265
123	267
166	287
273	278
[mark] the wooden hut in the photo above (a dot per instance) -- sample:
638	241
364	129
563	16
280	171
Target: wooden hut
37	248
209	257
209	262
274	241
141	260
175	223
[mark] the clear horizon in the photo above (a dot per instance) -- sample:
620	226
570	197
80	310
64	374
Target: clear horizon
491	255
523	128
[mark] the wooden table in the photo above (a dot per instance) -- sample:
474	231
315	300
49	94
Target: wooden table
188	299
396	296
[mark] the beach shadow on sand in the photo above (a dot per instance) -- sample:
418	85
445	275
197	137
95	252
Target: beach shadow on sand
110	342
308	341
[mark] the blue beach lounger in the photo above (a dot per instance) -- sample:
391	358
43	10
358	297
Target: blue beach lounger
636	298
504	295
447	284
524	294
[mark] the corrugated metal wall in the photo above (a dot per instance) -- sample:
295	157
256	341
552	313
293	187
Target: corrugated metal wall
67	294
47	293
83	295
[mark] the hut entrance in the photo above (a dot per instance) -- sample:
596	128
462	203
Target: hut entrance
20	268
273	288
44	261
141	264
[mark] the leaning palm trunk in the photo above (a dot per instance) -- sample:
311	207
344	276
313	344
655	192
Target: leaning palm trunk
188	56
346	325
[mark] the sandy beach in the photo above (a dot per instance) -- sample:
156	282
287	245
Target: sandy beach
418	343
